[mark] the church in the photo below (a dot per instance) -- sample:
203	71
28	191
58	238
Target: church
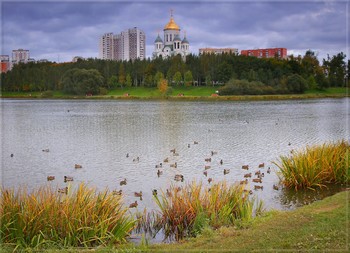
171	44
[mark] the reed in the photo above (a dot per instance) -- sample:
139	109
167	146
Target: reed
188	210
316	166
46	218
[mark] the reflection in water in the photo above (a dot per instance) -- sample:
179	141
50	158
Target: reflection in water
292	198
99	134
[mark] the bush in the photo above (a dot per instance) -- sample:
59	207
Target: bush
47	94
244	87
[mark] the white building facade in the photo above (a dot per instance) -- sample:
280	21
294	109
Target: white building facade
128	45
171	44
20	55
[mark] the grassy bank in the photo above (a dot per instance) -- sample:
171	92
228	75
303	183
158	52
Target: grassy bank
323	225
189	93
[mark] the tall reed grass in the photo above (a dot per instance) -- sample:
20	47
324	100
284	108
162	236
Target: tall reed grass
186	211
316	166
46	218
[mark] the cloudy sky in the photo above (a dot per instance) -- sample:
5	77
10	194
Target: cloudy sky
60	30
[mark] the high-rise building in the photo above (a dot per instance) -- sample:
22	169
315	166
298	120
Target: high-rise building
128	45
106	46
172	44
20	55
266	53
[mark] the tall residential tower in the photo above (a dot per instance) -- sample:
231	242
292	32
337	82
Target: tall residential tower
128	45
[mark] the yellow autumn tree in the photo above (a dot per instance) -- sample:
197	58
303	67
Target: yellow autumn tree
163	85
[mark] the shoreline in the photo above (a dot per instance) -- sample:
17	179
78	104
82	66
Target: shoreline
184	98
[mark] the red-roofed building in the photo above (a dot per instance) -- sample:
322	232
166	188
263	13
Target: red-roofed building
266	52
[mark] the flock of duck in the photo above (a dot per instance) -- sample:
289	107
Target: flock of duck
255	177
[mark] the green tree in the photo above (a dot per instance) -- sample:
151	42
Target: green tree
113	82
158	76
296	83
128	81
188	78
177	78
208	80
82	81
121	75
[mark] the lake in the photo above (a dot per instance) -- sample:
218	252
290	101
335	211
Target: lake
99	135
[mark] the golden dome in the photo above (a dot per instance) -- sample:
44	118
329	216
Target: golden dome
172	25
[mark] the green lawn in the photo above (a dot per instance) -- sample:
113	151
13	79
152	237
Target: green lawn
193	91
323	225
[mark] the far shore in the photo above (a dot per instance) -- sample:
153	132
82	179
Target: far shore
180	94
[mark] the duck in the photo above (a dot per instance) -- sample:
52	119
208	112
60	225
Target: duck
115	192
221	162
127	155
250	192
179	177
174	165
243	181
195	142
257	187
210	180
207	159
205	173
138	194
257	180
275	187
207	167
188	145
257	172
50	178
248	175
261	165
66	179
214	153
133	205
11	155
159	165
63	190
245	167
123	182
166	160
159	172
268	170
46	150
78	166
226	171
154	192
137	159
173	150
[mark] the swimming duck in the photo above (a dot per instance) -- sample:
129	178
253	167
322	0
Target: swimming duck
66	179
205	173
155	192
123	182
257	180
261	165
78	166
257	187
115	192
159	172
210	180
226	171
275	187
245	167
133	205
50	178
248	175
63	190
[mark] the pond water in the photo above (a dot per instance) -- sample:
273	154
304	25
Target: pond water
99	134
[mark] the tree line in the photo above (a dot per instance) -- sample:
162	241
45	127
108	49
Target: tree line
235	74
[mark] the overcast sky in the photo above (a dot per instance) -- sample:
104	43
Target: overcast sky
60	30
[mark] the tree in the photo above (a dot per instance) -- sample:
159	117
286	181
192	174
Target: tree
128	82
177	78
121	75
82	81
188	78
158	76
296	84
163	86
113	82
208	80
